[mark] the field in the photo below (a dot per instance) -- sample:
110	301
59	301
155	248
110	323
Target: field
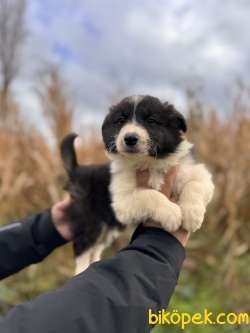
216	273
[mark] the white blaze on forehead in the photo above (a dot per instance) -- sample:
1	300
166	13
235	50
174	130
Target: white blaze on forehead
136	99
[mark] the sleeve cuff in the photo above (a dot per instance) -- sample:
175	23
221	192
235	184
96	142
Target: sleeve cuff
161	244
45	235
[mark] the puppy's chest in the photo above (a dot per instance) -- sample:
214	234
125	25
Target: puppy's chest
126	181
156	179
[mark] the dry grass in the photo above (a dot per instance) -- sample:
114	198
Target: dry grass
28	173
223	244
31	179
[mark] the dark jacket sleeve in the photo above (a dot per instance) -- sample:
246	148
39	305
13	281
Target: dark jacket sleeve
27	242
110	296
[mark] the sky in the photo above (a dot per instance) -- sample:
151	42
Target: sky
109	49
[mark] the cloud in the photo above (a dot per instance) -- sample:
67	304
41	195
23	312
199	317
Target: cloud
112	48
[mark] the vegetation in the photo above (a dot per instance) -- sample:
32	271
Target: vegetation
32	179
216	272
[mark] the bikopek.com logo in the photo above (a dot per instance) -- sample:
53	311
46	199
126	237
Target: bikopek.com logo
183	319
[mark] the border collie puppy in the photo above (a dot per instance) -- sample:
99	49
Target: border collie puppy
139	133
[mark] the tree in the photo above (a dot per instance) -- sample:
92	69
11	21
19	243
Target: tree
12	35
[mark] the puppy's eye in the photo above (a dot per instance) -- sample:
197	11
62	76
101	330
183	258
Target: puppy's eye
152	121
120	121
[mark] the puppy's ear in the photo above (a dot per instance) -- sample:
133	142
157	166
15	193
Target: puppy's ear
176	116
107	133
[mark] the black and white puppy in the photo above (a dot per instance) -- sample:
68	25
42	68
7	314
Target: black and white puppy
139	133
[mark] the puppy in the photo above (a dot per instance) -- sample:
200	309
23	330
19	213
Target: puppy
139	133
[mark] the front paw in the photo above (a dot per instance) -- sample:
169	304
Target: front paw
193	216
122	213
169	216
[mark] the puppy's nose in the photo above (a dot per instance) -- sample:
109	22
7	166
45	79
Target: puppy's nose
131	139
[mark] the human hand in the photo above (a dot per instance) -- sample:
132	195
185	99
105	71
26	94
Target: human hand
60	218
142	178
182	236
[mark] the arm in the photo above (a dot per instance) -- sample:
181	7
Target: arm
27	242
110	296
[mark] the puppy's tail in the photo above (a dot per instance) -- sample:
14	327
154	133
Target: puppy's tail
68	153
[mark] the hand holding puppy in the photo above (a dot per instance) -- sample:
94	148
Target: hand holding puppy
142	178
60	218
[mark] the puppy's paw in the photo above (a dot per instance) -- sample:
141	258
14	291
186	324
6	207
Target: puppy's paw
169	216
193	216
122	213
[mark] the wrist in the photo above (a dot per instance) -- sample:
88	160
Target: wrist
60	221
182	236
44	232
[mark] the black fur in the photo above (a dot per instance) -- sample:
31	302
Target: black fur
89	185
68	153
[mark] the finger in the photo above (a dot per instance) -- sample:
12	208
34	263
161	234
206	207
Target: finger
169	181
64	204
182	235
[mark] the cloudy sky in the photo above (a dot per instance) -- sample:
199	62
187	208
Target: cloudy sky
112	48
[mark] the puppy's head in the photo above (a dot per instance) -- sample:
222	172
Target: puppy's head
143	125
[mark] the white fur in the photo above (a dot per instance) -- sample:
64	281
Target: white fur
94	253
83	261
136	99
193	188
143	142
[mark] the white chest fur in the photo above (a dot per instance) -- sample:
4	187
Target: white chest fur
123	169
193	187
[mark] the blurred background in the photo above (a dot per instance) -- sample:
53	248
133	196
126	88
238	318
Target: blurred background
63	63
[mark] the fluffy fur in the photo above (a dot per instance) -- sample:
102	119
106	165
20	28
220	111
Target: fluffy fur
139	133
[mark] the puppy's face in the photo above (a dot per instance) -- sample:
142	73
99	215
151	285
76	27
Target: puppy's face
142	125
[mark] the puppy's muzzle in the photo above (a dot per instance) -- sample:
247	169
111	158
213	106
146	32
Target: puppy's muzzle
131	139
